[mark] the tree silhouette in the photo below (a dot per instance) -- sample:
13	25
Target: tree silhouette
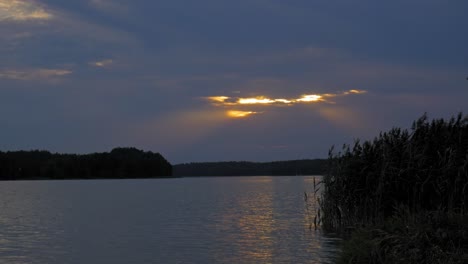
119	163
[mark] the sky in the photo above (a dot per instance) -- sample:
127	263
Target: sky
219	80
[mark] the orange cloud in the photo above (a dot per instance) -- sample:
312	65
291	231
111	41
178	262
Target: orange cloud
240	114
20	10
263	100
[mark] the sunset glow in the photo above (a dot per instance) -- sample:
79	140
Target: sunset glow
218	99
355	92
284	101
264	100
240	114
258	100
310	98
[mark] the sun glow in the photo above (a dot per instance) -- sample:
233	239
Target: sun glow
310	98
240	114
284	101
258	100
263	100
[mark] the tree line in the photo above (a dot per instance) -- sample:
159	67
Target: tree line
117	164
244	168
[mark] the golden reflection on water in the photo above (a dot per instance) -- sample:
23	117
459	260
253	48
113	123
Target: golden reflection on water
259	232
256	230
251	219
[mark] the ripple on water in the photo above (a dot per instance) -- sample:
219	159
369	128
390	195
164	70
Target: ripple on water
188	220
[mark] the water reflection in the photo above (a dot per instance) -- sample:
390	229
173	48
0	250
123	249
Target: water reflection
202	220
26	225
248	222
271	225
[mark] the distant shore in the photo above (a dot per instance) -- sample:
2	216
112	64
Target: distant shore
131	163
245	168
120	163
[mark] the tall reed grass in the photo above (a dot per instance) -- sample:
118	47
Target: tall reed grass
421	171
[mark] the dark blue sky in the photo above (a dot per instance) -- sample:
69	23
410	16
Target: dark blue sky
88	75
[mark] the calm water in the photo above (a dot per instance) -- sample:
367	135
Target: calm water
187	220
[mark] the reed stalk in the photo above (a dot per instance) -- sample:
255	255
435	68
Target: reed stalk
421	172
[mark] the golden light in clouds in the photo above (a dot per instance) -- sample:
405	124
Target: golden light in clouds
219	99
263	100
240	114
259	101
310	98
20	10
355	92
284	101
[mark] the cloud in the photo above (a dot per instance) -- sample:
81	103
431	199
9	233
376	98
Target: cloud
69	25
240	114
78	26
19	10
263	100
34	74
307	53
102	63
281	56
109	6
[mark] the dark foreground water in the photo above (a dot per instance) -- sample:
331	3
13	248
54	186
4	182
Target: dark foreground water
187	220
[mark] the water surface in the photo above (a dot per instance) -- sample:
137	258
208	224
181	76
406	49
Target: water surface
185	220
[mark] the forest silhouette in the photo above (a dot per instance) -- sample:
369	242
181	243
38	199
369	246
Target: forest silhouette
118	164
245	168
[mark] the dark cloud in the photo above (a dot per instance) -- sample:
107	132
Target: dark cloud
82	76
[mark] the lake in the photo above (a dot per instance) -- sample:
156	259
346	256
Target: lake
183	220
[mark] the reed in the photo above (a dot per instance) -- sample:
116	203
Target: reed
421	172
312	206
